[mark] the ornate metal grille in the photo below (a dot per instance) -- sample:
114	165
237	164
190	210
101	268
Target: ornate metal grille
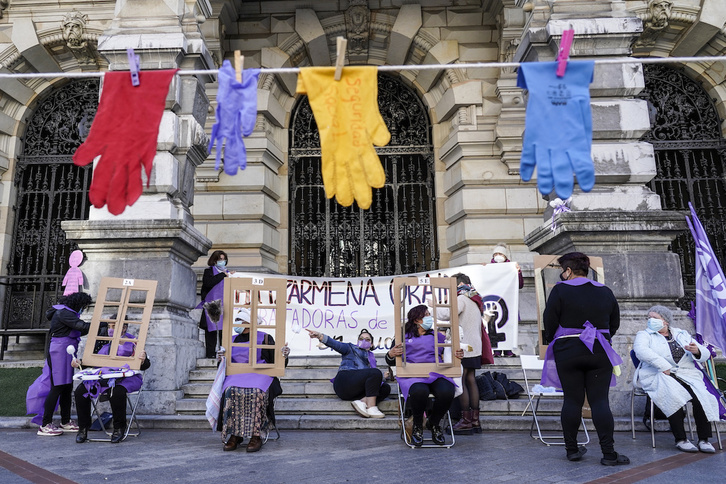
690	158
50	189
397	235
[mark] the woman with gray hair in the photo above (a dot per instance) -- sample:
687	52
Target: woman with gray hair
668	373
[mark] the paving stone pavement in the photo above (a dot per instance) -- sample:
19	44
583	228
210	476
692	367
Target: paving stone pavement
191	456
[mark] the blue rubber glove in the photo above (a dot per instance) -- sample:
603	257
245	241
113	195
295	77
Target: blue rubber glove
236	116
558	126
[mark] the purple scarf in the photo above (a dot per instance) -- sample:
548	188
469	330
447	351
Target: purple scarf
588	335
217	292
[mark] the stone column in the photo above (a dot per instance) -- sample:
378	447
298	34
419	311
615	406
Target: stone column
155	238
620	220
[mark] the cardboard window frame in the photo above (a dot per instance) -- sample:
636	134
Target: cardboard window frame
126	286
421	370
254	286
542	265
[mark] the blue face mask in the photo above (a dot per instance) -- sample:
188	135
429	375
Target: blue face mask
221	264
655	325
428	323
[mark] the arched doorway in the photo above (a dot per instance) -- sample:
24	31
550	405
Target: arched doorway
50	189
690	156
397	235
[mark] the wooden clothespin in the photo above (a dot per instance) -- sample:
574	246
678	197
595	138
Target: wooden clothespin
564	54
341	45
134	63
239	62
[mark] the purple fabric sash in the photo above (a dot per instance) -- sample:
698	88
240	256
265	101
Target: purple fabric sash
217	292
588	335
712	390
421	350
242	354
579	281
63	306
95	388
125	349
248	380
61	374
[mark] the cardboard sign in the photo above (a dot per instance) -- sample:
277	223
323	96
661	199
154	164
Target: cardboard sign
257	295
443	296
546	274
124	306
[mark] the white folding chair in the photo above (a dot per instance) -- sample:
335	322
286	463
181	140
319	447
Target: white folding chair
132	400
533	363
428	444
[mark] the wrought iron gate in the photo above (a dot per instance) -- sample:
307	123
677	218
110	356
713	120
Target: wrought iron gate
50	189
397	235
690	158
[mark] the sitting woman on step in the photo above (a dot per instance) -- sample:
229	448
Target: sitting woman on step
358	380
247	397
420	348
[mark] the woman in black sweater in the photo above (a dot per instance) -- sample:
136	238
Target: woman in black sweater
213	282
580	318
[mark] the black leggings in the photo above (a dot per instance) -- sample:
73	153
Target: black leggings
210	344
418	397
58	394
582	372
356	384
703	426
117	399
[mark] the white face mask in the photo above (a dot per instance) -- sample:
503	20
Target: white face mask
655	324
499	258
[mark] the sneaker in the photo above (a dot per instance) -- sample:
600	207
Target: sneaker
687	446
360	407
705	446
49	430
373	412
71	426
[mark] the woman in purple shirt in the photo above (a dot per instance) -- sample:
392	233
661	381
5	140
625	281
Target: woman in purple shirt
420	348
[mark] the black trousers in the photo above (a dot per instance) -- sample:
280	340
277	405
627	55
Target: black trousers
356	384
117	399
210	343
418	396
60	394
703	426
581	373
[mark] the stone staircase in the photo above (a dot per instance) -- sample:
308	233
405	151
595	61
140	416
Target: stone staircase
308	401
23	348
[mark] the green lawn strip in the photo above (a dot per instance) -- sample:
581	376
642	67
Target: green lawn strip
14	383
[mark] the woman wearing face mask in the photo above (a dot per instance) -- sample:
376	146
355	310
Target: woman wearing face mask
419	339
580	318
358	380
55	385
213	289
500	255
668	374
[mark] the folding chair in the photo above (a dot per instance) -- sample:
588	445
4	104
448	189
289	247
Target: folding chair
131	420
430	445
271	424
533	363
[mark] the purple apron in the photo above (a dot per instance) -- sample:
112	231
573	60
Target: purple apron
217	292
57	371
588	334
248	380
421	350
131	383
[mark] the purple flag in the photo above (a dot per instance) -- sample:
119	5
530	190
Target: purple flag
710	287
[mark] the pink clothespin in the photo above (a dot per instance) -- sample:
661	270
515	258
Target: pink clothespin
564	53
134	62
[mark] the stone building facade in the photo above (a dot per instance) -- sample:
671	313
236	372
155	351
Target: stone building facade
469	136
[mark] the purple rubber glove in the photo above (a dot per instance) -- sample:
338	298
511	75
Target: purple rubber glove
236	116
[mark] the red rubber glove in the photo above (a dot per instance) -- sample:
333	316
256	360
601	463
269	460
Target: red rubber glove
124	134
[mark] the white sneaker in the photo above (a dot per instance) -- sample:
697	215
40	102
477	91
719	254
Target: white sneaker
373	412
71	426
687	446
360	407
705	446
49	430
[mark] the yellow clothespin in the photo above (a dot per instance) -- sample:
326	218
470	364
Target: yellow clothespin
341	45
239	61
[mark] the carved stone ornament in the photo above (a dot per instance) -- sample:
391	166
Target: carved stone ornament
357	23
73	26
659	12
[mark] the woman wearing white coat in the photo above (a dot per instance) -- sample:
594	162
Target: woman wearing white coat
668	374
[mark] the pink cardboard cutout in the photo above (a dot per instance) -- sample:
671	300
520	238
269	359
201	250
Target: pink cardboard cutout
74	277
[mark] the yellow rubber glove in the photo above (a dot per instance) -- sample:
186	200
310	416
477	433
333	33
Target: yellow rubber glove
349	123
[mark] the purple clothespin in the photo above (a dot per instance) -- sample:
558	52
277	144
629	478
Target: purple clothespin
134	61
564	53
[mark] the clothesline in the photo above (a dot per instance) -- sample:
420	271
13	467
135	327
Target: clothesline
386	68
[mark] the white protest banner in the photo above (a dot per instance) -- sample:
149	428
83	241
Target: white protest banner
341	307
